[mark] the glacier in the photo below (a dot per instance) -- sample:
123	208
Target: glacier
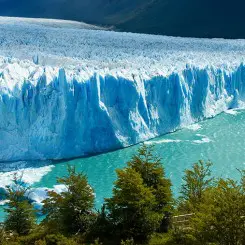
67	91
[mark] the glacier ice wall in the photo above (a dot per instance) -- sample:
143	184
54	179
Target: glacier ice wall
62	116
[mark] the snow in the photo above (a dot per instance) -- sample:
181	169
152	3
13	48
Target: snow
48	23
27	175
106	52
68	90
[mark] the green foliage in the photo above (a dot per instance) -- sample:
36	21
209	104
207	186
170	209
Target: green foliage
153	175
181	237
131	207
158	239
2	234
101	227
58	239
140	198
38	234
196	181
10	243
151	170
20	213
70	212
174	237
242	172
96	242
40	242
50	239
221	215
128	242
140	204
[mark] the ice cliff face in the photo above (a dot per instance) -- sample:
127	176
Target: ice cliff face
65	117
64	100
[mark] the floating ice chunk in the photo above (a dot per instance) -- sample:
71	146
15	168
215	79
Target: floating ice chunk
232	112
194	127
28	175
4	202
37	195
163	141
60	188
203	140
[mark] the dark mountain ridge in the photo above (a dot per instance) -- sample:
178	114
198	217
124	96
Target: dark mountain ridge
195	18
94	11
192	18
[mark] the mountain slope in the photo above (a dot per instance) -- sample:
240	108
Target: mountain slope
95	11
196	18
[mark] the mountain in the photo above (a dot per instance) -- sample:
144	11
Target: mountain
196	18
94	11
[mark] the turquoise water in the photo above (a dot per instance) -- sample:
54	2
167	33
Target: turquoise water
221	140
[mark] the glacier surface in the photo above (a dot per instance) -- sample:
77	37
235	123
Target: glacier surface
68	91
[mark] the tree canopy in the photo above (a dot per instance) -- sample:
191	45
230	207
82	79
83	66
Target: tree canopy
71	211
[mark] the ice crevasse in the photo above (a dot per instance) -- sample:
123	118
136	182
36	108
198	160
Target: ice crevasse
68	91
60	116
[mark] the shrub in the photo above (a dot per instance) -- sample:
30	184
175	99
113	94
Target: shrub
128	242
196	181
70	212
20	213
220	216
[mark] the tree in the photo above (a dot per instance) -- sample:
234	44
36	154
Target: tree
131	209
70	212
242	172
151	170
20	213
141	197
221	214
196	181
153	174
